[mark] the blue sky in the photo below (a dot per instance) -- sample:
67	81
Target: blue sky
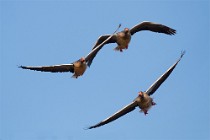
48	106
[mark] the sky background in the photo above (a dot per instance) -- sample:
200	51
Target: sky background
54	106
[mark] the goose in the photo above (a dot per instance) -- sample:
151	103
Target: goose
143	100
77	68
123	38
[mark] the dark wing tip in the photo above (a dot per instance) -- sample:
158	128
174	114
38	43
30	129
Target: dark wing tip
182	53
86	128
171	31
119	25
91	127
23	67
94	126
97	125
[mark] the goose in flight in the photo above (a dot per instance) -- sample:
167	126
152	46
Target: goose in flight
143	101
77	68
123	38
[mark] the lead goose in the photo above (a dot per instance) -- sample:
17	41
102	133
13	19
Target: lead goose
143	101
78	67
123	38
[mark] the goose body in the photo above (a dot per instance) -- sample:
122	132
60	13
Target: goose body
123	38
144	100
77	68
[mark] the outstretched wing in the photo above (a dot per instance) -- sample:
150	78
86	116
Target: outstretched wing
54	68
118	114
102	40
154	27
163	77
104	37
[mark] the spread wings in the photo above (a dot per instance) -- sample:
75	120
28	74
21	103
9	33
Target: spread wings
102	40
162	78
118	114
154	27
54	68
99	44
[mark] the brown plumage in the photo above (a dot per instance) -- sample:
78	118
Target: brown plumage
123	38
143	100
78	67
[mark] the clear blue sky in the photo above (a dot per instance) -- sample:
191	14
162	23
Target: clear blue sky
48	106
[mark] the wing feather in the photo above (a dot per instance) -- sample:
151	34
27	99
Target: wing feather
154	27
102	40
118	114
98	46
104	37
162	78
54	68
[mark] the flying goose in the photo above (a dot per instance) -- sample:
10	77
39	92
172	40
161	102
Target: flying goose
123	38
78	67
143	100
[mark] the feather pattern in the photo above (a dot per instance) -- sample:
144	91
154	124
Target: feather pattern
118	114
163	77
154	27
53	68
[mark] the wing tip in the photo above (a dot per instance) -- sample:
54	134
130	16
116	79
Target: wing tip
182	53
171	31
23	67
95	126
89	127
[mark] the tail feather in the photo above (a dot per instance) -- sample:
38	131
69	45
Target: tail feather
118	49
74	76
